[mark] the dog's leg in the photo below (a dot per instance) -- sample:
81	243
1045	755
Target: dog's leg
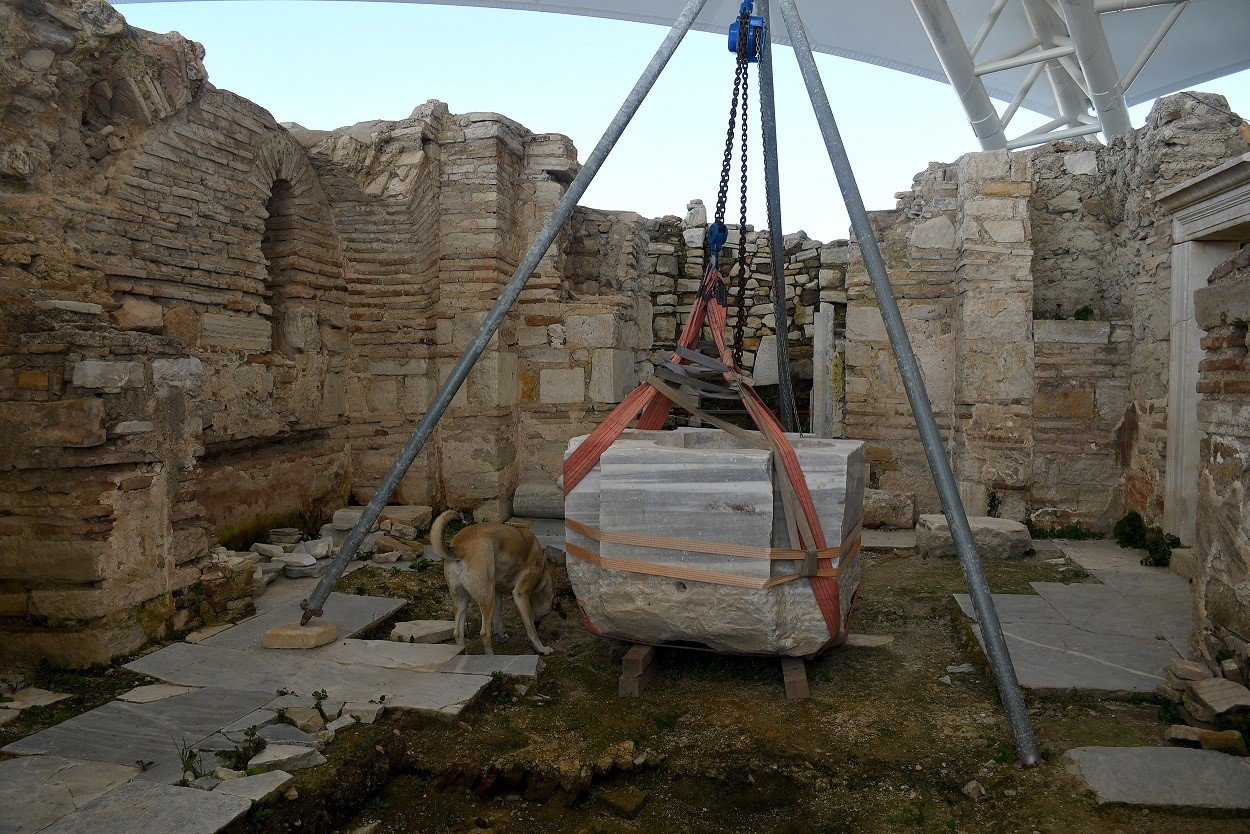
460	599
487	603
499	629
527	619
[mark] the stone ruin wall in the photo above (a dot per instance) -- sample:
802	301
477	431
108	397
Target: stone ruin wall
1060	419
215	324
1222	583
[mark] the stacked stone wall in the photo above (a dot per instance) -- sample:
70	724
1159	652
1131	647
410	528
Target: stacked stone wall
1222	583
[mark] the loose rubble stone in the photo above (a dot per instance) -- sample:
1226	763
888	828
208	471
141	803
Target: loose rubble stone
1220	696
269	551
316	569
623	800
889	509
1188	670
995	538
1184	735
1225	741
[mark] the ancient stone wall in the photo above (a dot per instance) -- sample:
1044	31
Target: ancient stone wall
991	258
1222	584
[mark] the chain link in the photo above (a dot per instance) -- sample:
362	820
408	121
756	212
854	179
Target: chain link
737	130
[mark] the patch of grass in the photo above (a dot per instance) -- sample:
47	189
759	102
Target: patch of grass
1085	313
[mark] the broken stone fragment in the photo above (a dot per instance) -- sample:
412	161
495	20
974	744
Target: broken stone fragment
1188	670
423	631
1184	735
995	538
283	757
295	560
271	551
307	719
317	568
260	788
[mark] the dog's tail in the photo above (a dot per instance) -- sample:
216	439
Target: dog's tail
436	535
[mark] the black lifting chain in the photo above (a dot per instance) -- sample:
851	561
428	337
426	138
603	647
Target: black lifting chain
740	94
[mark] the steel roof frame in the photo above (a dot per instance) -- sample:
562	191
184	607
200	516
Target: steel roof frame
1068	45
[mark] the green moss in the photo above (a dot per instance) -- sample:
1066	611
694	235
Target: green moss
1075	531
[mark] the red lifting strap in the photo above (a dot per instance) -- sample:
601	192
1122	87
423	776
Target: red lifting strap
652	408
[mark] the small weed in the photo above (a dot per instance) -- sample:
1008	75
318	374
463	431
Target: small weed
1085	313
1132	531
189	759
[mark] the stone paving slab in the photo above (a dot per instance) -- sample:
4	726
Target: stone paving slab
1103	610
1165	777
1060	658
351	613
256	788
145	808
519	665
269	671
125	733
1016	608
36	791
391	654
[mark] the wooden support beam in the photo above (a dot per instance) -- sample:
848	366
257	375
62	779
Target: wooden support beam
794	674
636	670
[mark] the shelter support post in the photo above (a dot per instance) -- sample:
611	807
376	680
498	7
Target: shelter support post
995	645
772	188
312	606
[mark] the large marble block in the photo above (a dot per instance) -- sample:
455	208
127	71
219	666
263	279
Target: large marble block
706	485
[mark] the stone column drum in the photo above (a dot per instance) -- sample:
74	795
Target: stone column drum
706	485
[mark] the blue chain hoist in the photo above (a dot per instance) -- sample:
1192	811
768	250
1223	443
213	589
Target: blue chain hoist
746	39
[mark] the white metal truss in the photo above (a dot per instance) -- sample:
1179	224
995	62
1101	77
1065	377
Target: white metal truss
1068	46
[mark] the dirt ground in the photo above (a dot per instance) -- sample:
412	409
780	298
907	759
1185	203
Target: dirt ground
883	744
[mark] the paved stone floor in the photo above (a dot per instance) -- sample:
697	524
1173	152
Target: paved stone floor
1109	638
1165	777
116	768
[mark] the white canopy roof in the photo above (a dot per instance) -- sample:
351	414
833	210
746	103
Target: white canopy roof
1211	38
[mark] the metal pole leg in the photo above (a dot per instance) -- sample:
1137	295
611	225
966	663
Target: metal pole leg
312	606
991	631
772	186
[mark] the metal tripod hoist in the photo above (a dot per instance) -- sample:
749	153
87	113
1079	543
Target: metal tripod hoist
751	40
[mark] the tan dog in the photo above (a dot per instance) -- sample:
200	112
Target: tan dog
483	562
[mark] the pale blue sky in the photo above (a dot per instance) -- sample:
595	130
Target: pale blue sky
326	64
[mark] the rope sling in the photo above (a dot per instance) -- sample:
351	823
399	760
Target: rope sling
683	377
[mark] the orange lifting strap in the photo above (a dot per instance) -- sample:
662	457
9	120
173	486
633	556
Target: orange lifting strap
654	400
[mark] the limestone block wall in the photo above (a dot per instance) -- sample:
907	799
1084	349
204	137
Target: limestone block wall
991	256
174	317
1222	584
